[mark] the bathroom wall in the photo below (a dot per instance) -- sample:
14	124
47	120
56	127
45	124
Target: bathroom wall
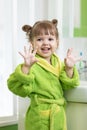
79	46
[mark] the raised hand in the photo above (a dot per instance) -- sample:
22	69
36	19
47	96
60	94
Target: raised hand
71	59
29	56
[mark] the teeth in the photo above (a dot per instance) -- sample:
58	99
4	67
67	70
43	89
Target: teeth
45	48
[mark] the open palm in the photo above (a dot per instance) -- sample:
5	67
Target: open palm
29	56
70	59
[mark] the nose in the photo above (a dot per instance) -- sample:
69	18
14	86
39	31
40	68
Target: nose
45	42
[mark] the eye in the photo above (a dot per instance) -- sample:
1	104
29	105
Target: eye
39	39
50	39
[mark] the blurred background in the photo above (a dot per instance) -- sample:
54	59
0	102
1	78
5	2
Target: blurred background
72	25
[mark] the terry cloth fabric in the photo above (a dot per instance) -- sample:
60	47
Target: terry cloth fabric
44	85
55	115
55	69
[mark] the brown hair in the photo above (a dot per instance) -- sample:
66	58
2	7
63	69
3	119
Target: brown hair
41	27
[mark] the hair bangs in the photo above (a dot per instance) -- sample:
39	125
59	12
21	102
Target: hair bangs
44	29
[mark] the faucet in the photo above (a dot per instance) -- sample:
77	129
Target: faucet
85	63
82	65
82	69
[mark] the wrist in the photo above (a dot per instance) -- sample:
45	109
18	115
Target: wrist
69	71
25	68
68	68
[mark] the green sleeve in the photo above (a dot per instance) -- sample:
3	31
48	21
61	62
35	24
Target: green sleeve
67	82
20	83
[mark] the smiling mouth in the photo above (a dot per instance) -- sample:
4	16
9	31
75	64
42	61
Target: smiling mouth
45	49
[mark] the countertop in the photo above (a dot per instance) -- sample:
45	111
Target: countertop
78	94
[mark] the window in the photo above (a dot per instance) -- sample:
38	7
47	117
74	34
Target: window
8	102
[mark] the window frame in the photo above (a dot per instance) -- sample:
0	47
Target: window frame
13	119
9	120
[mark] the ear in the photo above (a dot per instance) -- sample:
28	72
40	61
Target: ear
55	22
26	28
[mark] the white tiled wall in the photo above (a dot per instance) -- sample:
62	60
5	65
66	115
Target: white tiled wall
78	45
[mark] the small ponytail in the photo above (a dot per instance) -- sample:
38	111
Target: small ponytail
26	28
55	22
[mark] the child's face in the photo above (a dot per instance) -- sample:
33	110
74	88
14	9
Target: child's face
46	45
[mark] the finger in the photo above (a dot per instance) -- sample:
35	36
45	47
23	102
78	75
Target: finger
25	50
21	54
79	59
30	48
69	51
35	50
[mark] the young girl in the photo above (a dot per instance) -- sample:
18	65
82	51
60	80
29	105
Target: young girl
42	77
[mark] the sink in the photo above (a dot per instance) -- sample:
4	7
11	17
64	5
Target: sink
78	94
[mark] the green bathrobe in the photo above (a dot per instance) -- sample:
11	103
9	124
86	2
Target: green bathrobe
44	85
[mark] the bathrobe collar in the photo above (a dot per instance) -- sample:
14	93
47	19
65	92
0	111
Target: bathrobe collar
55	68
